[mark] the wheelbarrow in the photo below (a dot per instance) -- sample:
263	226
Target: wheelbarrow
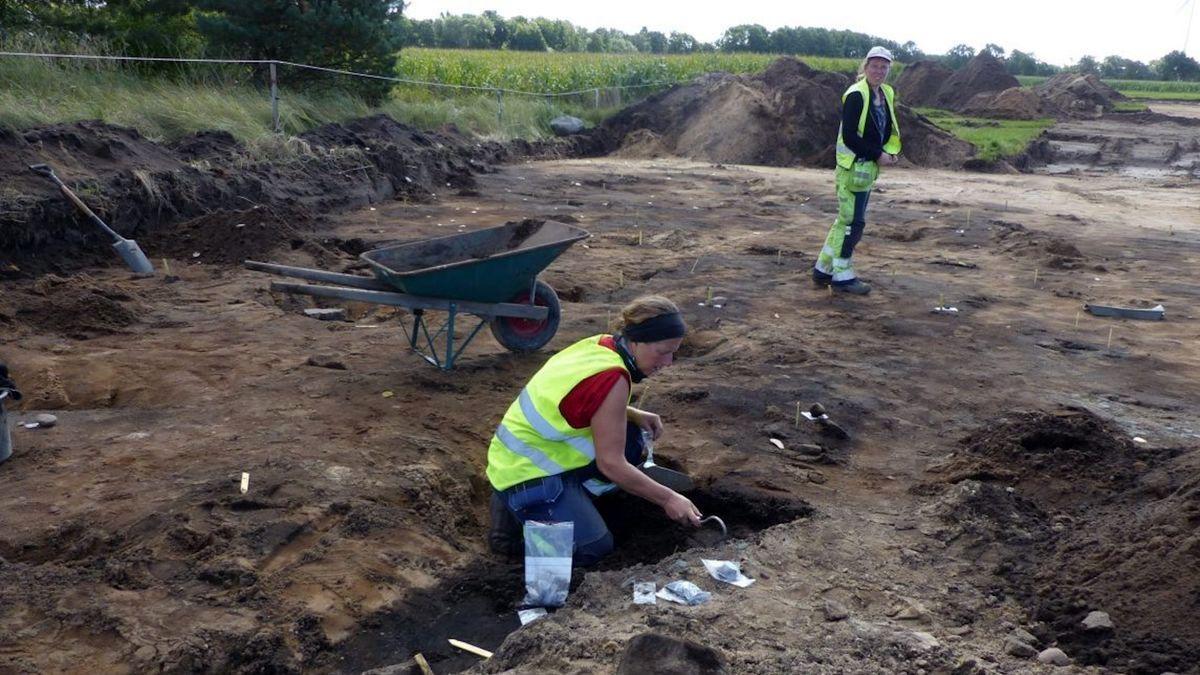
489	273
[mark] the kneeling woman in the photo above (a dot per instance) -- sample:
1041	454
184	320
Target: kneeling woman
572	430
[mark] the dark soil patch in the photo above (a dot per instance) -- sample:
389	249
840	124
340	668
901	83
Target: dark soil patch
144	189
480	604
1075	518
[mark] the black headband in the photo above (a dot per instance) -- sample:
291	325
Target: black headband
662	327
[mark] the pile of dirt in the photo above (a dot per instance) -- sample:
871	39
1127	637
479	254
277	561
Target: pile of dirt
981	75
920	82
77	307
1079	94
1061	456
1072	517
1014	103
229	237
166	194
787	115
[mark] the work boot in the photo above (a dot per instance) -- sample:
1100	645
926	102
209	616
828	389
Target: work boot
856	287
820	279
504	537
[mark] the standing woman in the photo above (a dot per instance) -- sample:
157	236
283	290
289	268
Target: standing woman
868	138
572	430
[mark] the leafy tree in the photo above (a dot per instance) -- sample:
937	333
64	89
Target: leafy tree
745	38
958	55
1178	66
465	31
527	37
681	43
500	29
1087	64
993	49
1118	68
357	35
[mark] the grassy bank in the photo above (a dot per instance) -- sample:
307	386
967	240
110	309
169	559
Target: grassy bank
994	139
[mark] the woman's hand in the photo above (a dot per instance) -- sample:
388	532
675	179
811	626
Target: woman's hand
646	421
681	510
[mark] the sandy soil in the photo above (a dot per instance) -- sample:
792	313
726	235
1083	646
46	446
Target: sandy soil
950	520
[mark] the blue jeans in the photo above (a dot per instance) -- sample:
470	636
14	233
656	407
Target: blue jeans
563	497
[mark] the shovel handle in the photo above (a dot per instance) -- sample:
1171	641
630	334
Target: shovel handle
49	173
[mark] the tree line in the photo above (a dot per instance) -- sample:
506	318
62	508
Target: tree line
365	36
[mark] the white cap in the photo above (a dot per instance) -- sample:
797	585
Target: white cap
879	52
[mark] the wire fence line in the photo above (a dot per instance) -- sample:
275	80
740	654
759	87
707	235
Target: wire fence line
499	92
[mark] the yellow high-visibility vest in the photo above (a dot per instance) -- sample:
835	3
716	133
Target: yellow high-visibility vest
534	440
845	156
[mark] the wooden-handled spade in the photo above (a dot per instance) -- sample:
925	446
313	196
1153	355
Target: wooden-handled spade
127	248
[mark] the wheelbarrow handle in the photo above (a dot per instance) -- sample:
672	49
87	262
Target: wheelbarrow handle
47	171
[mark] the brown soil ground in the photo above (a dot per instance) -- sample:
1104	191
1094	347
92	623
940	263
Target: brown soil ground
993	481
982	74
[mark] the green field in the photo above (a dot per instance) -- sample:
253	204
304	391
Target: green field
1140	89
553	73
994	139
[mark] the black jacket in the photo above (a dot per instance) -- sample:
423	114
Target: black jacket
868	145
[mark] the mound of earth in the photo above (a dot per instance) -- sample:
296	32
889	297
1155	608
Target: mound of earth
76	307
1079	94
920	82
1014	103
981	75
165	195
786	116
1073	517
1051	453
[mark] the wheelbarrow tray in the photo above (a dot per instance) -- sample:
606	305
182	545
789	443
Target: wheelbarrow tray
489	265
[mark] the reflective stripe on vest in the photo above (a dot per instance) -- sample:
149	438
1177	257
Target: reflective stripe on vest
845	156
533	439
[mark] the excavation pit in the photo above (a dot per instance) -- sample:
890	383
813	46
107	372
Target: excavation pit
479	605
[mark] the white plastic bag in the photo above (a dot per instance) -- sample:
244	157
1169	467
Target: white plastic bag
548	549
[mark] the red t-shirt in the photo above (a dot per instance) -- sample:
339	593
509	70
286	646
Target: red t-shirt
578	406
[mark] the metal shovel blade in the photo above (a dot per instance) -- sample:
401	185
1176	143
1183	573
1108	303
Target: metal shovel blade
679	482
132	254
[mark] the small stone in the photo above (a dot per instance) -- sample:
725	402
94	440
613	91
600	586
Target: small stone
679	565
960	630
325	361
817	477
835	611
1097	621
917	640
1024	636
1054	657
46	420
326	313
1014	647
910	610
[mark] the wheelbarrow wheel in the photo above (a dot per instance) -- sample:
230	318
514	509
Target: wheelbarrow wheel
527	335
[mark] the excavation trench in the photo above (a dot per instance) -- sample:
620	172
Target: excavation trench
479	605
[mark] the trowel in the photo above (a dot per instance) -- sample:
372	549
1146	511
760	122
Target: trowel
817	414
677	481
128	249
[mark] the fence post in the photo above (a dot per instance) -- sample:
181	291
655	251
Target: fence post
274	100
597	92
500	108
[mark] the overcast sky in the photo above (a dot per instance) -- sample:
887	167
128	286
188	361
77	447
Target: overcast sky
1055	31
